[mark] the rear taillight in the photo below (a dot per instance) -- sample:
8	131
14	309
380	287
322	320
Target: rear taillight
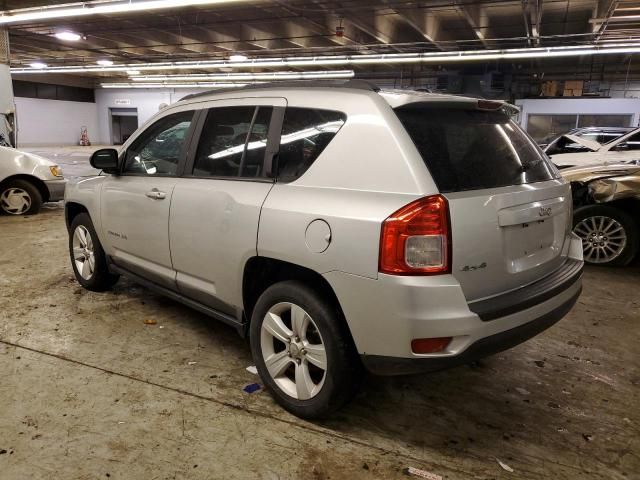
416	239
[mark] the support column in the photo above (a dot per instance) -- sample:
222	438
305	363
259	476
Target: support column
7	103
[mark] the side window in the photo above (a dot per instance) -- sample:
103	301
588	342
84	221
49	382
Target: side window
233	142
158	150
306	132
632	143
565	145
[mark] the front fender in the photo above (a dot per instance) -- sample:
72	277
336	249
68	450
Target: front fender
87	193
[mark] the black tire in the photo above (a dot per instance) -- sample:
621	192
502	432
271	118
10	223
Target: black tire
101	279
34	197
343	373
626	221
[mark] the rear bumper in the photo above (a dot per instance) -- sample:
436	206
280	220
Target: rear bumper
386	314
382	365
56	189
528	296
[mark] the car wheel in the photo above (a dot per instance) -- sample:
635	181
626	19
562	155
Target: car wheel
609	235
87	256
20	197
303	350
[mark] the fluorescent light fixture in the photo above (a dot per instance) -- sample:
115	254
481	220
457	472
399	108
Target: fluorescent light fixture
266	76
344	60
68	36
98	7
38	65
133	72
238	58
173	85
104	63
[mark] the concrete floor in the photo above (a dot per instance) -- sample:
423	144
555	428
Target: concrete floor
88	390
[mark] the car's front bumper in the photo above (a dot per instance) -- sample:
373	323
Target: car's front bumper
56	189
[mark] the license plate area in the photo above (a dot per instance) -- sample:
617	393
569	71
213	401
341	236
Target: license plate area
531	244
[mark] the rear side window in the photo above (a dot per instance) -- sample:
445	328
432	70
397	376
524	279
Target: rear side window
306	132
473	149
233	142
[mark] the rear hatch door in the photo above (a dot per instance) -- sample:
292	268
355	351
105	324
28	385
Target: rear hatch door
510	211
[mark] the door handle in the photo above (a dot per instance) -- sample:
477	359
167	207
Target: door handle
156	194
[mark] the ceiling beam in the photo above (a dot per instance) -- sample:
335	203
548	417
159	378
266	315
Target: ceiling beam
477	19
426	23
325	27
536	20
604	9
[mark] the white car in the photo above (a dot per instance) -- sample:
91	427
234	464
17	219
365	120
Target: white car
27	181
625	149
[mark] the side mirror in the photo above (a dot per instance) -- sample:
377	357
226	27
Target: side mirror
105	159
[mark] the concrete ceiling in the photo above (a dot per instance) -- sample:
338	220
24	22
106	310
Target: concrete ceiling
285	28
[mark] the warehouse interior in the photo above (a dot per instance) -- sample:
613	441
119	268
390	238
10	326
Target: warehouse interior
130	383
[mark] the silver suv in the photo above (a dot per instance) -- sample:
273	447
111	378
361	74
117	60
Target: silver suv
337	226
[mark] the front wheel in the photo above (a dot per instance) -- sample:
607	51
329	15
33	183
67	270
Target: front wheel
609	235
303	350
20	197
88	259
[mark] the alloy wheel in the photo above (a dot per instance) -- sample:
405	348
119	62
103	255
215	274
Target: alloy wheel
15	201
603	238
293	351
83	253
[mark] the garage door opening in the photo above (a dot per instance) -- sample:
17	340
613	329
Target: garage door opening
124	121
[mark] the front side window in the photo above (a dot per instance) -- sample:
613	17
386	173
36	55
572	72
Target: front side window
233	142
158	150
306	132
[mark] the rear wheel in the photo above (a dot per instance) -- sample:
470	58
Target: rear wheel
88	259
303	351
20	197
609	235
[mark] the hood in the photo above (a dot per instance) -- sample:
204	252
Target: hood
592	172
590	144
8	153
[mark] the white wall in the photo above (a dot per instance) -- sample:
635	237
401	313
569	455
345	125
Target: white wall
558	106
624	89
54	122
146	100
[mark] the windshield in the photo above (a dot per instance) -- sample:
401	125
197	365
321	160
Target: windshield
474	149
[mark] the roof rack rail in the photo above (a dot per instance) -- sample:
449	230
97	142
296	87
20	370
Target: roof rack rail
355	84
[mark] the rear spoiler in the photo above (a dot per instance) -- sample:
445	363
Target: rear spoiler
508	108
465	103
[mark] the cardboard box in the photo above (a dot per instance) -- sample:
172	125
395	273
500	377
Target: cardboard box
573	88
549	88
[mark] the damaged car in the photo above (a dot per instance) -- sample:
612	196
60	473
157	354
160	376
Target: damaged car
606	201
572	150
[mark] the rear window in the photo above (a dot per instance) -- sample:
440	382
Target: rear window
473	149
